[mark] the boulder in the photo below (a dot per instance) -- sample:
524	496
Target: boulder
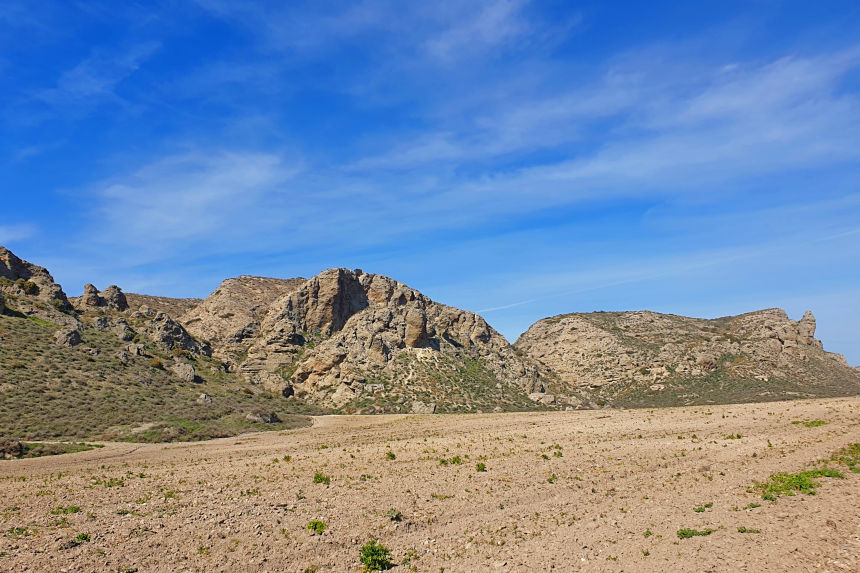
114	298
183	371
171	335
123	330
261	417
419	407
67	337
89	298
204	399
11	448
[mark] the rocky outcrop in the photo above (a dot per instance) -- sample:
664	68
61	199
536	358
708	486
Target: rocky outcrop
31	290
175	307
611	356
2	303
183	371
229	318
262	417
346	336
112	297
67	337
170	335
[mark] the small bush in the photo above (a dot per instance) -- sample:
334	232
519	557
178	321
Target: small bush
688	533
375	557
155	362
316	526
394	515
783	483
322	478
480	467
390	456
850	456
743	529
60	510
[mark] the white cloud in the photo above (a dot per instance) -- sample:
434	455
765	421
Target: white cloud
183	201
96	78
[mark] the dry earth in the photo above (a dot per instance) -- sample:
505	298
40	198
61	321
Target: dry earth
238	504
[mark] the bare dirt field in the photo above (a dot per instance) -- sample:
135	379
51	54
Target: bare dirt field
566	491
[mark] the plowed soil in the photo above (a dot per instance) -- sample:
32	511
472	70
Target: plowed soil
565	491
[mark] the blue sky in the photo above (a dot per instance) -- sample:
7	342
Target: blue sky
519	159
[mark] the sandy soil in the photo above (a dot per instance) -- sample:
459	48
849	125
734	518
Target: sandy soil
238	505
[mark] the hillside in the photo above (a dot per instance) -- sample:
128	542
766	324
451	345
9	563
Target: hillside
360	342
644	359
229	318
91	366
264	352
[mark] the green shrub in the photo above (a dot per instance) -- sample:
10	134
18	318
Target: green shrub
688	533
316	526
60	510
375	557
784	483
850	456
322	478
480	467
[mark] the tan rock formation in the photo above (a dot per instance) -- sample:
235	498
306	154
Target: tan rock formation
617	356
230	317
175	307
30	289
112	297
346	336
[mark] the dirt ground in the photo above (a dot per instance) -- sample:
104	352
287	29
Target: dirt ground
565	491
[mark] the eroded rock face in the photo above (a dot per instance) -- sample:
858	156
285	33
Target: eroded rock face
112	297
230	317
613	353
183	371
171	335
344	335
31	289
67	337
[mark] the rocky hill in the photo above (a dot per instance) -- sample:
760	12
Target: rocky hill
229	318
648	359
30	289
259	350
172	306
93	366
362	342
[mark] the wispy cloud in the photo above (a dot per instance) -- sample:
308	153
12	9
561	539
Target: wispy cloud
95	79
183	201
